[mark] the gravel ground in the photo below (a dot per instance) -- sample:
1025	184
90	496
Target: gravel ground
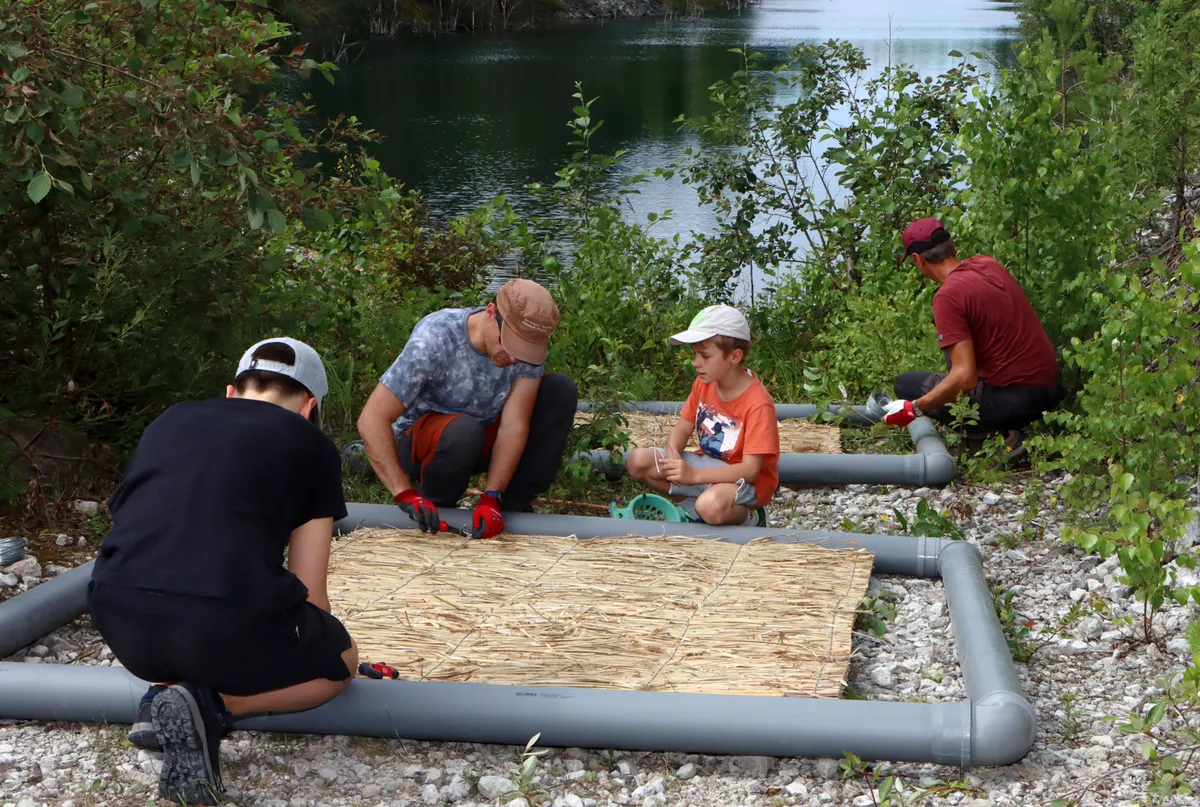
1080	674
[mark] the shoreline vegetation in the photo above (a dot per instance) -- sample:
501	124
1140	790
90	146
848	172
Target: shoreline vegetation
161	208
336	30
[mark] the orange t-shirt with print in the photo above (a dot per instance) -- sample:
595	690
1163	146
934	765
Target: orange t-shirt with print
728	430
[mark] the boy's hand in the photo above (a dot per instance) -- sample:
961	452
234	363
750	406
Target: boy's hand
678	471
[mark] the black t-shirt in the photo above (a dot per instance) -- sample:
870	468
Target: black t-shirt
211	497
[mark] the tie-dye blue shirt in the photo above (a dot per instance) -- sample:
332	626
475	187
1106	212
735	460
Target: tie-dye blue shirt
439	370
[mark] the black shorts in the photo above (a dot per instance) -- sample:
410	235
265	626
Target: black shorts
163	638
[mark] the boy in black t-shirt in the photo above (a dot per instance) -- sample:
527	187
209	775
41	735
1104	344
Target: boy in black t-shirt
190	589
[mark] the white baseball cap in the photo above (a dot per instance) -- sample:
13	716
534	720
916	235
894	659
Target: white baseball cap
308	371
716	320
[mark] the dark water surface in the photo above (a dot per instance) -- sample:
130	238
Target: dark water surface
471	116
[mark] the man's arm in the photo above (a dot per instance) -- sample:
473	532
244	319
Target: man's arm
963	377
375	427
513	432
308	558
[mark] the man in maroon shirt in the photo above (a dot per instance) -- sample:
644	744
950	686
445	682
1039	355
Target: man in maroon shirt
995	348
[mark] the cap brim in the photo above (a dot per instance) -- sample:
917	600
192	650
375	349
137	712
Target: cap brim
691	337
523	349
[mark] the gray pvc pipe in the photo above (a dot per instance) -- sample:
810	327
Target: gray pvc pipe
858	415
994	726
930	465
585	718
43	609
1003	722
912	557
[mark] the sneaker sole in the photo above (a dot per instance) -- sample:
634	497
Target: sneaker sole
142	736
187	776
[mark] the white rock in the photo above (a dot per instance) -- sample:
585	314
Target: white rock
656	785
64	540
433	776
517	803
882	676
798	789
625	767
457	790
328	774
29	567
1090	627
828	769
430	794
686	772
86	508
370	791
571	800
494	787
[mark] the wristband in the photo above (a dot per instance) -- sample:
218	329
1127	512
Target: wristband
495	494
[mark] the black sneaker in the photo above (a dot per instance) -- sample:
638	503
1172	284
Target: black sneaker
757	517
189	721
141	734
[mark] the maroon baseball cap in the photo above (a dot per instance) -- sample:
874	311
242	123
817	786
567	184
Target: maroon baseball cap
923	234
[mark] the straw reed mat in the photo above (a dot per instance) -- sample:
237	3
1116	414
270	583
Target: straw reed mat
796	436
672	613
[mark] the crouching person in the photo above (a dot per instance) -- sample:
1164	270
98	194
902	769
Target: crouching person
190	590
735	473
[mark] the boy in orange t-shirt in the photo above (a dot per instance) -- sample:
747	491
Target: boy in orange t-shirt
736	471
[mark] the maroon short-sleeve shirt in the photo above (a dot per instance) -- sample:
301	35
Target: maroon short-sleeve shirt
982	302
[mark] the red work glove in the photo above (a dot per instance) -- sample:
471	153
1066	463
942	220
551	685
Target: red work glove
420	510
487	521
901	413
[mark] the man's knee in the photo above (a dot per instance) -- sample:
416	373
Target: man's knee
559	390
462	437
912	385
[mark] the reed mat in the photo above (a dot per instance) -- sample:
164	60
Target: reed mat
668	613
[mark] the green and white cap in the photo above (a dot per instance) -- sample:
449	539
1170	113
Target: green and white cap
716	320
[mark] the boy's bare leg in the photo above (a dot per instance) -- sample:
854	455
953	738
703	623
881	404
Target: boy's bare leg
641	465
295	698
716	505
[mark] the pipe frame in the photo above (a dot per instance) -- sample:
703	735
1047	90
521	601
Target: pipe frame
994	726
930	464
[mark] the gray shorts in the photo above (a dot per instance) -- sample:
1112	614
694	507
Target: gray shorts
746	494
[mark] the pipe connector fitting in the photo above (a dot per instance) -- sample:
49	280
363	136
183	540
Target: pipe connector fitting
1003	725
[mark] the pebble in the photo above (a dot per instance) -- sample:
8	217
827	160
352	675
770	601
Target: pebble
86	508
9	580
494	787
328	774
29	567
882	676
687	771
370	791
430	794
64	540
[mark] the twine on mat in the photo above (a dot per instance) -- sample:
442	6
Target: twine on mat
668	613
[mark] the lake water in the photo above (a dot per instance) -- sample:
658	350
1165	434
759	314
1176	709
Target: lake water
470	116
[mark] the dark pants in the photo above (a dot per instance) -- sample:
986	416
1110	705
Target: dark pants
441	453
1000	408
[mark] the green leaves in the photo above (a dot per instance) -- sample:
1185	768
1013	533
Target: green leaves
39	186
